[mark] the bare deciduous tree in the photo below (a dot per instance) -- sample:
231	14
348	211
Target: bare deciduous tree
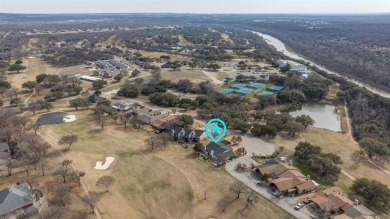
36	126
105	181
53	212
63	172
34	107
91	200
101	121
252	198
66	163
44	166
32	182
9	166
153	142
61	195
68	140
76	176
238	188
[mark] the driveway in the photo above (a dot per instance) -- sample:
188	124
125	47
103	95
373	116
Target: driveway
258	146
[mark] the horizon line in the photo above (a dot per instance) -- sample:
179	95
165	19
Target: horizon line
194	13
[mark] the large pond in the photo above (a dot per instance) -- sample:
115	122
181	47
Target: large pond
324	115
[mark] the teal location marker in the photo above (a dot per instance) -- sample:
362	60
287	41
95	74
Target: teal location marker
215	129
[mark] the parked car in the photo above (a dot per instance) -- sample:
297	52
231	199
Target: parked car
298	206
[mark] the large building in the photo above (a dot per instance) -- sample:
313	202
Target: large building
294	66
16	200
112	63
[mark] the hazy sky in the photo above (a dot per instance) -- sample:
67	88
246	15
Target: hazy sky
195	6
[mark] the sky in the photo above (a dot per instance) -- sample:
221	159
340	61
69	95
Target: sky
196	6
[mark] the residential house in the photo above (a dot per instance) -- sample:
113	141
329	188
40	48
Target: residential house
164	124
89	63
294	66
141	111
360	212
187	134
218	152
103	64
285	178
167	65
119	65
94	98
122	106
332	201
16	200
152	116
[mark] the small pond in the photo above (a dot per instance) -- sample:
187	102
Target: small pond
324	115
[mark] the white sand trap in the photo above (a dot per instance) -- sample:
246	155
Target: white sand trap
70	118
101	166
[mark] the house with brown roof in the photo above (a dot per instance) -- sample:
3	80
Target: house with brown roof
285	178
332	201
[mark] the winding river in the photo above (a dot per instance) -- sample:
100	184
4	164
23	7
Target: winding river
280	47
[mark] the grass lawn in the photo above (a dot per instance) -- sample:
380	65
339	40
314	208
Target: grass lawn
195	76
174	182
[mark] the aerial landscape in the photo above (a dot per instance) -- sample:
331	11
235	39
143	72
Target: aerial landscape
165	109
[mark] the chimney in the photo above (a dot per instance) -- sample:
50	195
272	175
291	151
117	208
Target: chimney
356	202
308	177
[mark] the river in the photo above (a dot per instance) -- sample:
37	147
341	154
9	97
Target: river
280	47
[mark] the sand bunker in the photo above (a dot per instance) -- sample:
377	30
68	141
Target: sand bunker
101	166
70	118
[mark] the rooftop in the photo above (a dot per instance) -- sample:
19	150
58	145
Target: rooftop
14	198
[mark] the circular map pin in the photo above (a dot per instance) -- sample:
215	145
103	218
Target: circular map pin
212	128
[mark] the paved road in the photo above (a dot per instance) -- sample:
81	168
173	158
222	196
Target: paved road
258	146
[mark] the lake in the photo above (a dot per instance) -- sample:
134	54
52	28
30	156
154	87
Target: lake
324	115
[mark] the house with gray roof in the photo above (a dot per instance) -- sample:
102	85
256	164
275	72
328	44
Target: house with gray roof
16	199
187	134
218	152
355	211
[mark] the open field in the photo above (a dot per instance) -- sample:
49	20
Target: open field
165	184
34	68
195	76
